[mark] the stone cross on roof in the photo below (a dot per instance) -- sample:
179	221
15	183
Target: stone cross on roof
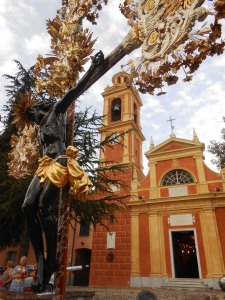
171	124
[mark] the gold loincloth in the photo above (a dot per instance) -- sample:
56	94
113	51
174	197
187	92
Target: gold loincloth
60	175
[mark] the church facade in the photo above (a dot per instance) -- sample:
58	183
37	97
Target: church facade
173	226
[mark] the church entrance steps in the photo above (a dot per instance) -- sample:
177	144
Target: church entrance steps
186	283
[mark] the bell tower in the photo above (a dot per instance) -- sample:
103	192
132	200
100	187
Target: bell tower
121	112
122	116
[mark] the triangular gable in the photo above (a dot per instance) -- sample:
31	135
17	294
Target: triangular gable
173	144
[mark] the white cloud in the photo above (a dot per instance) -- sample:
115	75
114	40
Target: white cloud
7	41
37	44
200	76
111	27
152	105
9	67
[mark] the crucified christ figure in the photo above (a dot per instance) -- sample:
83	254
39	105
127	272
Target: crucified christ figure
56	168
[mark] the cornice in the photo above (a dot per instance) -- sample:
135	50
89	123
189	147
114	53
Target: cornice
176	153
123	126
167	205
115	88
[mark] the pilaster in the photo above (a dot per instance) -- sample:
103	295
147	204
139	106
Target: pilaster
126	148
153	183
222	172
203	186
134	186
126	114
135	263
156	254
211	240
105	112
102	154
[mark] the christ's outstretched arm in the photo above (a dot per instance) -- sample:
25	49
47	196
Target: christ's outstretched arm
80	87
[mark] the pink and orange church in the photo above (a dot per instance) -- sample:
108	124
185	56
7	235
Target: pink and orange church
173	227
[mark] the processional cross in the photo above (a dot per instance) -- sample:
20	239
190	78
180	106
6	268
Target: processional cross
160	29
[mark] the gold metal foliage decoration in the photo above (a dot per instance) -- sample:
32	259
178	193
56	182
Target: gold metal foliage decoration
71	46
24	153
169	32
25	147
172	38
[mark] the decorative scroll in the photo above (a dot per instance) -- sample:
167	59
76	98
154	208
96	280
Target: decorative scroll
172	37
164	25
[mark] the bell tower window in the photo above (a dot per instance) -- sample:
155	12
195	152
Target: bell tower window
116	110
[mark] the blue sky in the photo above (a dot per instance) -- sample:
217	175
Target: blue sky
198	104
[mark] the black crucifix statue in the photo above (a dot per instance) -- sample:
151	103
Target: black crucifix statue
57	167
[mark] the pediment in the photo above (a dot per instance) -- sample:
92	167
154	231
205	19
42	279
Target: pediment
173	145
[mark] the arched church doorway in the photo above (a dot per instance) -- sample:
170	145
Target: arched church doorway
184	254
83	258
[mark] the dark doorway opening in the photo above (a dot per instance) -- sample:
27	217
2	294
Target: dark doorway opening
184	254
83	258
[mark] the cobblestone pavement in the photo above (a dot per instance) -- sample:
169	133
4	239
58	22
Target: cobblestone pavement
162	294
